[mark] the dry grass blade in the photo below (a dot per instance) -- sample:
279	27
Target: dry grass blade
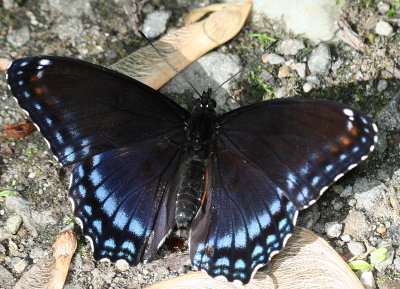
307	262
51	273
183	46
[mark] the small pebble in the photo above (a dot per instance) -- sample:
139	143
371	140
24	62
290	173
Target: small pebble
272	58
319	61
13	223
346	192
382	85
307	87
333	229
155	23
381	229
300	69
383	7
345	238
356	248
121	265
383	28
20	266
290	46
20	36
367	279
284	71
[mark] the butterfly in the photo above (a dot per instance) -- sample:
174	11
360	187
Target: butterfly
143	164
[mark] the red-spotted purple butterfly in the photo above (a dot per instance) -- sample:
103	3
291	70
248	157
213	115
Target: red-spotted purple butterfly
143	164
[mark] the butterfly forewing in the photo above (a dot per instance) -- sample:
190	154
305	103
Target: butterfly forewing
83	109
301	145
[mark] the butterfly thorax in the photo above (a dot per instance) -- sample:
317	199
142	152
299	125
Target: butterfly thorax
200	134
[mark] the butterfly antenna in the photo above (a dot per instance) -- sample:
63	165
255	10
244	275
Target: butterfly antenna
167	62
240	71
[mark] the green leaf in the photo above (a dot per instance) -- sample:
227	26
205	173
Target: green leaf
360	265
7	193
378	256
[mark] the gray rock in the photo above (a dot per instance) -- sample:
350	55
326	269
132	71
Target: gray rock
300	69
382	85
75	8
368	194
9	4
389	258
356	225
309	218
275	59
383	28
4	234
347	192
333	229
155	23
389	117
6	278
312	19
396	263
70	29
319	61
383	7
19	37
307	87
314	80
356	248
345	238
290	46
211	70
13	223
32	219
367	279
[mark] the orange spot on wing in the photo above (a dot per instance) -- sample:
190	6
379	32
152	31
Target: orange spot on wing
333	149
346	141
38	90
33	78
354	131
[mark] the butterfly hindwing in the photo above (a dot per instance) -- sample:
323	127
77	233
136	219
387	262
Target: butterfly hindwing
84	109
125	199
243	222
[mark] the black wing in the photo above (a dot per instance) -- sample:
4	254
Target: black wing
84	109
127	138
272	159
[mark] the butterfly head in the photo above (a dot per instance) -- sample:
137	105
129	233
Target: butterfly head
205	101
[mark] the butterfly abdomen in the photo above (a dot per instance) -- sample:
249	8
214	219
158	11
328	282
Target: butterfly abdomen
190	192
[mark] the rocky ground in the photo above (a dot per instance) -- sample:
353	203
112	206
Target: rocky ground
358	66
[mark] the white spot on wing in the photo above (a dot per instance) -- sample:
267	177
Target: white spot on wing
70	181
348	112
72	204
90	242
375	127
351	167
338	177
79	222
44	62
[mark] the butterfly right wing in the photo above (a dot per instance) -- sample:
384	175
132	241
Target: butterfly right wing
84	109
125	199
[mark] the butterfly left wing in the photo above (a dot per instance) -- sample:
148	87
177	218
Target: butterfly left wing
271	160
124	199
